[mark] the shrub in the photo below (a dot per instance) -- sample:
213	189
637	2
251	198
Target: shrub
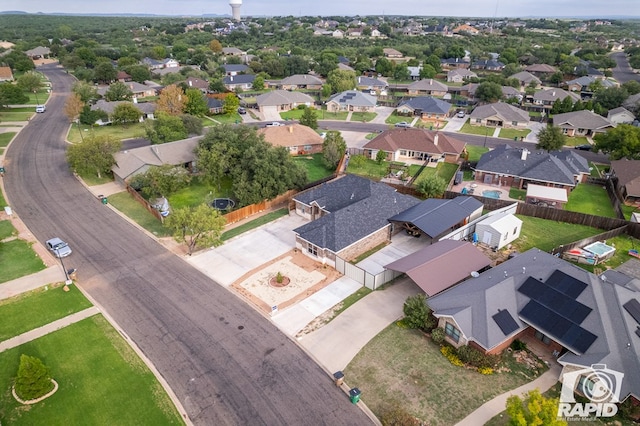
437	335
450	354
279	278
474	357
33	379
417	313
395	414
518	345
485	371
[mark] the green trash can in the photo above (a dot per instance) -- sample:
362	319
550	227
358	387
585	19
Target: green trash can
515	138
354	394
104	200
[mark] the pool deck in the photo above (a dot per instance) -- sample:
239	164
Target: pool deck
478	188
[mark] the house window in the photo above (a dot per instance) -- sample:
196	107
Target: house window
505	237
307	147
403	152
478	120
452	332
514	123
312	249
544	339
515	230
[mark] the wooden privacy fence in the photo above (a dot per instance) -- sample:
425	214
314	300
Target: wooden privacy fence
144	202
252	209
586	241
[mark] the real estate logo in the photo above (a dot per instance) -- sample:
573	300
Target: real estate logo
600	385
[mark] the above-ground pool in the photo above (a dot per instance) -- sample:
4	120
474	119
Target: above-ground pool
600	249
491	193
222	203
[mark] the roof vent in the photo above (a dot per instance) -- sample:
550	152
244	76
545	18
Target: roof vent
475	274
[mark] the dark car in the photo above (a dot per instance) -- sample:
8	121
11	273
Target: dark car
584	147
242	110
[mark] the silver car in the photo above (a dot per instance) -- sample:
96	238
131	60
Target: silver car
58	247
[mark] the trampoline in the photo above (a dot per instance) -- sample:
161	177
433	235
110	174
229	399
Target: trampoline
222	204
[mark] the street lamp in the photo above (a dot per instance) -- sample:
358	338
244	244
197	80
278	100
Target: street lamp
35	92
486	132
66	273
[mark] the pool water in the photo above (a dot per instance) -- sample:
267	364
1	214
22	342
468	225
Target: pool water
491	193
599	249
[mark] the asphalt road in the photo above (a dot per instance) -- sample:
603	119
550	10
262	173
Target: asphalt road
623	72
227	364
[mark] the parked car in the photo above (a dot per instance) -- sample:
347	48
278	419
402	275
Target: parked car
403	124
274	124
583	147
58	247
460	114
241	110
41	108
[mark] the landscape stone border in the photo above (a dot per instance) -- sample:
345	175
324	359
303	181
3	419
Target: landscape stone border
33	401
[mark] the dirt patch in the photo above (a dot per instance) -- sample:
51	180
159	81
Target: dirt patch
319	321
305	274
277	283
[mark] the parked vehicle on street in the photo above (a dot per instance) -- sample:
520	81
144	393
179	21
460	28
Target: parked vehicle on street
403	124
274	124
58	247
41	108
583	147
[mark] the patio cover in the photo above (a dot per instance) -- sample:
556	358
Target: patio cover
547	193
439	266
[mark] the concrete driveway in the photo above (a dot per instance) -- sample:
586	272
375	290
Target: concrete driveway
401	245
230	261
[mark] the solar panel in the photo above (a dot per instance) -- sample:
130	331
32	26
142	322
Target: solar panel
638	331
554	300
566	284
551	323
506	322
633	307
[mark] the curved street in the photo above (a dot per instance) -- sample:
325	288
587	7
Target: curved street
226	363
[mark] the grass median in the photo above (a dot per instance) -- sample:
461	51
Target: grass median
17	259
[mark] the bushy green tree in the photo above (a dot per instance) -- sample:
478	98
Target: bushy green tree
432	186
341	80
230	104
489	92
623	141
333	148
197	226
381	156
417	314
161	181
165	128
29	81
125	113
11	94
309	118
86	91
118	92
196	104
93	155
550	138
533	409
33	379
193	125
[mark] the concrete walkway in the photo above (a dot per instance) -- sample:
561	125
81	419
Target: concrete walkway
53	274
497	405
48	328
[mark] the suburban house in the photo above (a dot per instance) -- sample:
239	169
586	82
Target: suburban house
487	65
427	87
123	77
197	83
147	109
282	100
233	51
469	90
581	84
582	123
546	98
390	53
352	100
464	28
499	114
6	74
138	160
527	79
415	146
240	81
627	173
437	267
371	84
572	314
459	75
155	64
348	216
235	69
38	52
429	109
546	196
215	105
498	230
516	167
541	70
435	217
138	90
296	138
620	115
452	63
300	81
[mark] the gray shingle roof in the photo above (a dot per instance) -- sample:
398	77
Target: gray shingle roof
283	97
235	67
108	107
427	104
301	79
435	216
554	94
420	140
555	167
525	77
357	207
355	98
581	120
502	110
370	82
428	85
239	79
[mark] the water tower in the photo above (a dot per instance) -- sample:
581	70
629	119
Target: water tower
235	9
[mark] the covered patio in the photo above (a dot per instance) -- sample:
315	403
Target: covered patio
546	196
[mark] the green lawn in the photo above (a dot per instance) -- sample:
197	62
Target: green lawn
314	165
517	194
475	152
3	202
208	121
295	114
477	130
134	130
590	199
575	141
627	210
7	229
5	138
198	192
395	118
370	168
102	381
513	133
597	169
269	217
363	116
325	115
44	305
444	170
124	202
406	368
92	178
38	99
232	118
10	115
547	234
17	259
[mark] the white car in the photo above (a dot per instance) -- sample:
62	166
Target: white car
460	114
274	124
403	124
41	108
58	247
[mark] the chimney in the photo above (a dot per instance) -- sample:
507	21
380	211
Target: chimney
135	99
431	81
190	83
553	93
435	140
290	129
523	157
230	78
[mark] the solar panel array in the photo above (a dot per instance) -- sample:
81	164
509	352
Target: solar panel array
554	310
506	322
633	307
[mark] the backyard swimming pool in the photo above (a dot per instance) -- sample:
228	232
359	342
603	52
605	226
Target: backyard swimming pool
491	193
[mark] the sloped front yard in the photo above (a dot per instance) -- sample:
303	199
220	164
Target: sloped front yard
406	368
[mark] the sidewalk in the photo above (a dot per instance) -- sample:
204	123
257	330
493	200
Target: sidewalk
497	405
48	328
53	274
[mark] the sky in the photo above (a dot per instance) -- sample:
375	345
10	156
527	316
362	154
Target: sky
469	8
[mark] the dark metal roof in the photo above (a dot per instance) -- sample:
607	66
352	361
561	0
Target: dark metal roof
427	104
434	216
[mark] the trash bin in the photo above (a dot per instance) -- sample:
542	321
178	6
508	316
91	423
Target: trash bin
339	378
73	274
515	138
104	200
354	394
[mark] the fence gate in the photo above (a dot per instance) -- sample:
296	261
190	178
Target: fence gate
350	270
